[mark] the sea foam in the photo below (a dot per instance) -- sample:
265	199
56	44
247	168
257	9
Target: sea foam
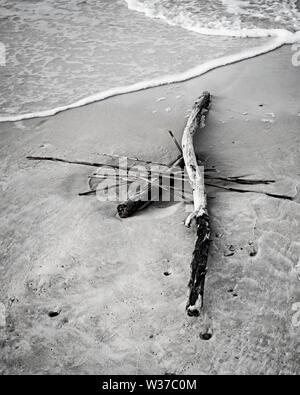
278	38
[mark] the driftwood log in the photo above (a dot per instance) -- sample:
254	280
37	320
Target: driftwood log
142	199
200	213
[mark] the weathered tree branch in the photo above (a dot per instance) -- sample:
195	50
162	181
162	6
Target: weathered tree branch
200	214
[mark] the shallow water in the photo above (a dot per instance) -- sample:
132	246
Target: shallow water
58	52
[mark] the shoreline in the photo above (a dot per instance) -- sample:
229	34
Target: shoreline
277	39
70	254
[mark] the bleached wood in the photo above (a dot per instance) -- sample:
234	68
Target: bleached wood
200	214
196	175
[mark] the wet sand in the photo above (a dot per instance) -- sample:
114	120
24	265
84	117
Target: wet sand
118	312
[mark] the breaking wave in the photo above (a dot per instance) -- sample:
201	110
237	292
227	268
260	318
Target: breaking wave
232	18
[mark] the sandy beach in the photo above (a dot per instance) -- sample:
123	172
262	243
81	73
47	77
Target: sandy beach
117	311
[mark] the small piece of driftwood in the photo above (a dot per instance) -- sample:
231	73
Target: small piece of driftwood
175	141
72	162
230	189
200	214
147	193
241	180
142	199
113	166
